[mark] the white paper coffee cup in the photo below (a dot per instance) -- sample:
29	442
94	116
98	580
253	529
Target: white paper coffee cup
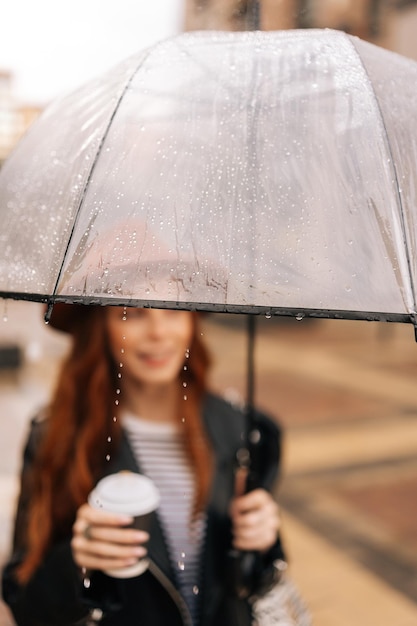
129	494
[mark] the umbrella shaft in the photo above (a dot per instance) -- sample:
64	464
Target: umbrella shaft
253	15
250	389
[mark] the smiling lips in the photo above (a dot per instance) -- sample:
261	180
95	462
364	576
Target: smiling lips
156	359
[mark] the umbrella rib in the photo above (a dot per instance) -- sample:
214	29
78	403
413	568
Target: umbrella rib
413	316
52	297
211	73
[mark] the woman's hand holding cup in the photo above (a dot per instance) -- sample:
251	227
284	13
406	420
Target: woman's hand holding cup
106	541
111	530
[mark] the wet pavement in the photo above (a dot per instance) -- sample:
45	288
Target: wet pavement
345	393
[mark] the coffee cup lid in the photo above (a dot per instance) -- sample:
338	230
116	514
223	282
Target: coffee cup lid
125	492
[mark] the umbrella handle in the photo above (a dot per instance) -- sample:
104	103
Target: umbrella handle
243	565
240	572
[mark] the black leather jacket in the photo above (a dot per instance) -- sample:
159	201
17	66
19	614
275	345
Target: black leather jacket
55	595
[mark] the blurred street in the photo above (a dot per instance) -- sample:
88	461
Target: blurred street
345	393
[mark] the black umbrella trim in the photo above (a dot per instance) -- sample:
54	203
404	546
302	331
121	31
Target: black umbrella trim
208	307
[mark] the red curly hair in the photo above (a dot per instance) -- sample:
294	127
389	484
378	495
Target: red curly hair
79	426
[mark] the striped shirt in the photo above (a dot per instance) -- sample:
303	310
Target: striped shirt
159	449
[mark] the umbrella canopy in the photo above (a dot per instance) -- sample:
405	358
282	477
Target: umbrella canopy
266	172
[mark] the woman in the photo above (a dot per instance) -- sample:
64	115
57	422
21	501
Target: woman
132	395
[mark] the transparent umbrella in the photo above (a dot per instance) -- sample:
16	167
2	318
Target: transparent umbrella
256	172
269	172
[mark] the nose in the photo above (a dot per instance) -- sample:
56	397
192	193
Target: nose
157	322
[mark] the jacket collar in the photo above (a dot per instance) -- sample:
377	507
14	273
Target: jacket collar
157	546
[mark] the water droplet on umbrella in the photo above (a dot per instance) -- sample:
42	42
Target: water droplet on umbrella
185	397
107	457
299	317
268	315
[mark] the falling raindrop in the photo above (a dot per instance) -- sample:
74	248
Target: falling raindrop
268	315
299	317
5	312
196	590
118	389
181	562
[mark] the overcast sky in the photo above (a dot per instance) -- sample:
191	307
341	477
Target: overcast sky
53	46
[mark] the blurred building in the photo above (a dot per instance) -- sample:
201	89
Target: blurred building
388	23
14	119
7	119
